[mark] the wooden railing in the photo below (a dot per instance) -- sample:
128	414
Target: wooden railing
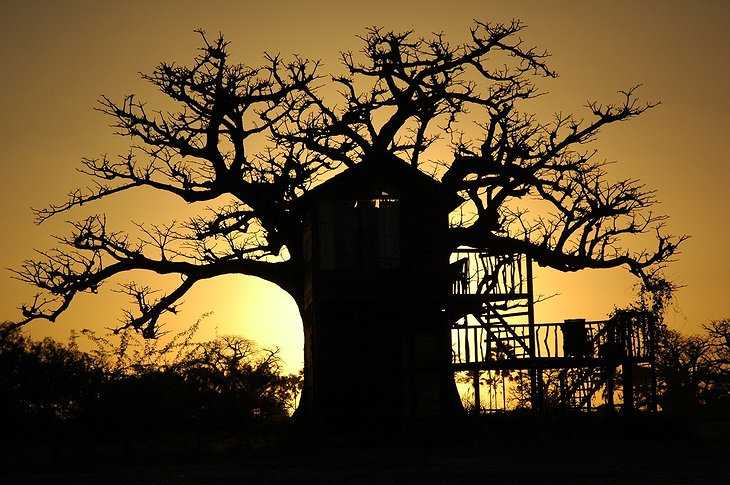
476	272
474	342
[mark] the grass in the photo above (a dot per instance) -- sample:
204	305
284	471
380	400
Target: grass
497	449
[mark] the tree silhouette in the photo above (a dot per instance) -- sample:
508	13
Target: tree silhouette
259	138
684	368
694	370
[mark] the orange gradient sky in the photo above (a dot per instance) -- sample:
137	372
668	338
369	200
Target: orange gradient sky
59	57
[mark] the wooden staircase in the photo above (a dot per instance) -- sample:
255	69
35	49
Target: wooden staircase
568	363
579	385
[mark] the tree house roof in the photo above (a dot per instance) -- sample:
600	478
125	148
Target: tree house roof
374	178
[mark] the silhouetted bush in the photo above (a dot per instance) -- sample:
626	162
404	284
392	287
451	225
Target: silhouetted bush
233	381
694	370
128	386
44	383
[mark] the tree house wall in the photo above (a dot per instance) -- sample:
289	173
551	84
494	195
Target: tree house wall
378	339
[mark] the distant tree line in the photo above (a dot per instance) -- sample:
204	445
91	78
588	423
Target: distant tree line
694	370
127	385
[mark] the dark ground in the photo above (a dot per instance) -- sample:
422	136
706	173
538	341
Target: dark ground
496	449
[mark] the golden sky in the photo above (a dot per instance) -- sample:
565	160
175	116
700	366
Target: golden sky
58	57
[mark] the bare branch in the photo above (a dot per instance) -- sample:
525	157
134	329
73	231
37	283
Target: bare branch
249	142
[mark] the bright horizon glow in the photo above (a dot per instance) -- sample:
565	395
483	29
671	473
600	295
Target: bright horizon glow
242	305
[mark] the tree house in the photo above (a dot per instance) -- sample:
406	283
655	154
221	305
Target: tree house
377	336
391	310
569	365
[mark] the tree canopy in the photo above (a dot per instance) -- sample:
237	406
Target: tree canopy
259	138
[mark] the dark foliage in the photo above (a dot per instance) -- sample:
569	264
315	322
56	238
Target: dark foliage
222	385
694	371
44	383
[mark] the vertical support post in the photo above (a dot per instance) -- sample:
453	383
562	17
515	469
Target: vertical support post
610	376
536	392
627	368
504	395
652	363
530	307
628	385
477	392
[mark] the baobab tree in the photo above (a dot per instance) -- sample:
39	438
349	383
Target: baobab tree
249	142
